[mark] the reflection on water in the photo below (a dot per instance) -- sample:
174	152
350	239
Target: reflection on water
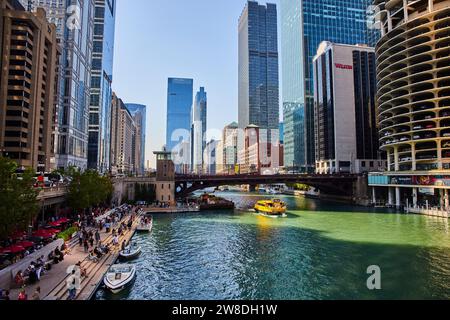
320	251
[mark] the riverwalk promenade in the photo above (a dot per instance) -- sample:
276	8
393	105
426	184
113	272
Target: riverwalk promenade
53	282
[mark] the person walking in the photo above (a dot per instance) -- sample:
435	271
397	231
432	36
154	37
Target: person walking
116	240
71	283
80	238
97	237
86	245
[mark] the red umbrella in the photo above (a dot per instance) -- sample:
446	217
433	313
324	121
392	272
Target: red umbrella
63	220
26	244
14	249
54	224
18	235
42	234
53	231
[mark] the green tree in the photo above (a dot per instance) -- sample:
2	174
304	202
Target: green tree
88	189
18	198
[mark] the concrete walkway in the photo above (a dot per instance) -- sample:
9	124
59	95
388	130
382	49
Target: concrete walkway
55	278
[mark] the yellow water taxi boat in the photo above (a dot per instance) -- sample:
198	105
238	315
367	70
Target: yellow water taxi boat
271	207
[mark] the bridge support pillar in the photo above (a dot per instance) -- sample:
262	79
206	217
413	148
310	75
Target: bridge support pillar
415	193
398	200
391	197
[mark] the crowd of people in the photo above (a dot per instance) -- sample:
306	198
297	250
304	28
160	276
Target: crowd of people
90	227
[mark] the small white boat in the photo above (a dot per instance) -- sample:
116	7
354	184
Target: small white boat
119	276
145	227
130	252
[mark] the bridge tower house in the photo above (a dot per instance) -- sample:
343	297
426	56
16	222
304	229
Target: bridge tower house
165	177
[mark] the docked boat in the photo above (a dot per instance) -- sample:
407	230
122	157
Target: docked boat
271	208
146	225
130	252
119	276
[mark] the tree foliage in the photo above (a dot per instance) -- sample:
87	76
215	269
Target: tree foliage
88	189
18	198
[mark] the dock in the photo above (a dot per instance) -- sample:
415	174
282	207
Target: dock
94	271
170	210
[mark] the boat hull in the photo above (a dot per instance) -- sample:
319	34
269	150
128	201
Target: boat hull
118	286
130	256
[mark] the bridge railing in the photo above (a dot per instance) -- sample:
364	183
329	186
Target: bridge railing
52	192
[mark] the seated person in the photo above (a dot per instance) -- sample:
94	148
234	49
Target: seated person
19	280
98	253
92	257
33	276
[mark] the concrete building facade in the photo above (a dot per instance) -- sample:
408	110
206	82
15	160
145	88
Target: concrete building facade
346	130
29	64
413	72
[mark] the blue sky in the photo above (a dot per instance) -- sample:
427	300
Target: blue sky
157	39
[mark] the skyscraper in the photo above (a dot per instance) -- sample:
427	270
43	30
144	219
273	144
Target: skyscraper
258	67
139	113
198	130
345	114
179	108
304	25
75	28
29	65
414	107
101	91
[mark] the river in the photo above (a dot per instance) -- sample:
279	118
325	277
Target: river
320	251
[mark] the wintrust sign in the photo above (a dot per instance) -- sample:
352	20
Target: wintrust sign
343	66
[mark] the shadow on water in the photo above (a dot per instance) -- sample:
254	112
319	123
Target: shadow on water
314	256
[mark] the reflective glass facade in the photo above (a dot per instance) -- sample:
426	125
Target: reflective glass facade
198	129
75	76
304	25
139	113
101	91
179	108
258	66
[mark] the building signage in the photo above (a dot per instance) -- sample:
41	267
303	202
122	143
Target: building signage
343	66
426	191
437	181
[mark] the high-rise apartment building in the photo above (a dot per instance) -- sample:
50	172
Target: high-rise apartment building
101	90
75	30
304	25
198	130
123	135
230	148
29	60
413	71
139	113
258	67
345	113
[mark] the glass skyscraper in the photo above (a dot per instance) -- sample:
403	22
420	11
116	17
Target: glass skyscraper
75	27
304	25
139	113
258	67
198	129
101	90
179	108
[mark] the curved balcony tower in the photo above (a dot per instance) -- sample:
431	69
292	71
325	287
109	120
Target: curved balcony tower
413	73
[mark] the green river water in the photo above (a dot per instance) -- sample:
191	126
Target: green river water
321	250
